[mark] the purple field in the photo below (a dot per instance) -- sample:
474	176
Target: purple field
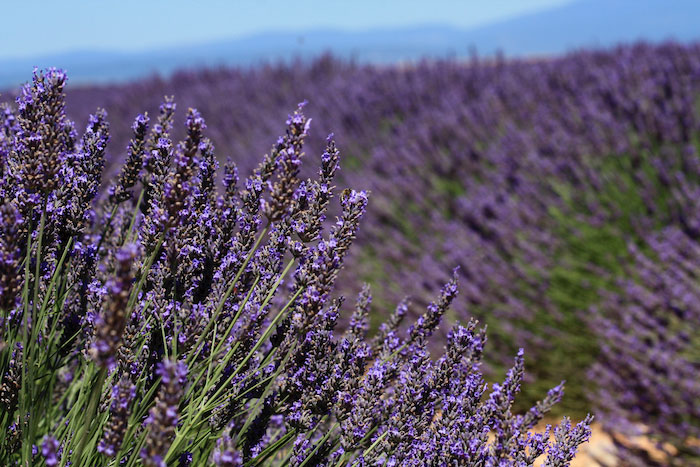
560	197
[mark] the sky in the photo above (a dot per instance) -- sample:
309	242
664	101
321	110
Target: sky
50	26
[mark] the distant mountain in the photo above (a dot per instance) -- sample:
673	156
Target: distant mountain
583	23
590	23
376	46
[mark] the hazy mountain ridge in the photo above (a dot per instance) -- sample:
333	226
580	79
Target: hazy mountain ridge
584	23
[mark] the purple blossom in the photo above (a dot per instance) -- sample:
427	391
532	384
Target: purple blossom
50	450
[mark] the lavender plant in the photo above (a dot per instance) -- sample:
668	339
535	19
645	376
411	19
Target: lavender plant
186	325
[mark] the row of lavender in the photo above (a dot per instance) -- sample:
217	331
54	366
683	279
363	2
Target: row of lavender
154	320
532	177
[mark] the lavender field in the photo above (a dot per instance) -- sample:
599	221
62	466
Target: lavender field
185	315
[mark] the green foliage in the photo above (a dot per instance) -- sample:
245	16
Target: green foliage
592	257
593	225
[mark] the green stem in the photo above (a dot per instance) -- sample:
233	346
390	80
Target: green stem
89	414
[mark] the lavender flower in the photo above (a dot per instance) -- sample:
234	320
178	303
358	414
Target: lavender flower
427	323
45	136
11	239
128	176
162	418
50	451
567	438
287	155
10	384
225	454
110	324
123	394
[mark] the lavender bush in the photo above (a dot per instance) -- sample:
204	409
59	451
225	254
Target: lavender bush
162	321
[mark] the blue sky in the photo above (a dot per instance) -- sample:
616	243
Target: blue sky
48	26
